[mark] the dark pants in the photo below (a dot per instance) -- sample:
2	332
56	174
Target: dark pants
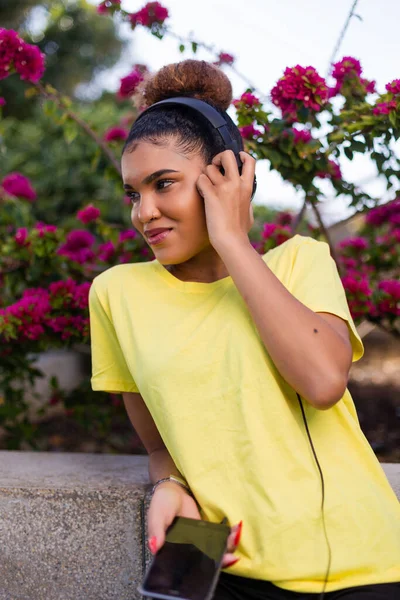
233	587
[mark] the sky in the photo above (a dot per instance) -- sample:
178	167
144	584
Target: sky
266	36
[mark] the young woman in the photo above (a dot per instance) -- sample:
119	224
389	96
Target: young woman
218	350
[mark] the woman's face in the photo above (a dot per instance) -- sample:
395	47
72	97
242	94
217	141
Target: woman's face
161	182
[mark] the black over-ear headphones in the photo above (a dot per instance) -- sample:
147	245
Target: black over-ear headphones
213	117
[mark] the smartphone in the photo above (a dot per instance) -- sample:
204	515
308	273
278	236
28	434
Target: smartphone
187	566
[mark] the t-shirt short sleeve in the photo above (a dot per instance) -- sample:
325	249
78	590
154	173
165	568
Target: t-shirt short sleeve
315	281
110	372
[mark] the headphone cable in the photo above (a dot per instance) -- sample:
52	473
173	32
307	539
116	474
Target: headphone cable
323	498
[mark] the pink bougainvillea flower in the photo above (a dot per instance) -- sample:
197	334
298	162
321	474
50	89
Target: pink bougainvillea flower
393	87
358	243
299	87
29	63
249	132
390	300
10	42
78	246
106	251
384	108
62	289
129	83
88	214
115	134
301	136
370	86
334	171
149	15
19	186
247	99
2	101
42	228
225	59
127	235
346	67
81	295
21	236
382	214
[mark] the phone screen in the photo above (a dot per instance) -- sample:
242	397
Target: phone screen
188	564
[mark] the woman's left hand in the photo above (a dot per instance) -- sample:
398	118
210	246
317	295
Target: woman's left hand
227	198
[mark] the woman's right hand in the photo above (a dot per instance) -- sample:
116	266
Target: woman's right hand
169	501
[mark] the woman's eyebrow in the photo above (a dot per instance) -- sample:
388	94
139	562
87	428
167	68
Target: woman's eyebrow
152	177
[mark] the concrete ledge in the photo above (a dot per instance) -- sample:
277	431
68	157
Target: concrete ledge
72	527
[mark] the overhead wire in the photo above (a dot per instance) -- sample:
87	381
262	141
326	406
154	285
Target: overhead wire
341	35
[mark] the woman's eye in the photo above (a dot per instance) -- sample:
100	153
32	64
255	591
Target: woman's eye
133	196
162	181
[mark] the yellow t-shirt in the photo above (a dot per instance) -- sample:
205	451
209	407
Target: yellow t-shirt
233	425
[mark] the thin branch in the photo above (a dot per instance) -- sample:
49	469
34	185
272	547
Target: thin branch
327	235
341	36
55	97
299	217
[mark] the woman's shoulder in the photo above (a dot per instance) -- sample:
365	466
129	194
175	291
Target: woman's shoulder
121	275
290	248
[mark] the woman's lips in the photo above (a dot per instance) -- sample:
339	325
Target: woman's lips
158	237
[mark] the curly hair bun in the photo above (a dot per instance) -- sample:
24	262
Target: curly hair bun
192	78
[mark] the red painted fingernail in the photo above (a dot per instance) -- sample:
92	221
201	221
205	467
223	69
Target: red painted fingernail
153	544
232	562
238	533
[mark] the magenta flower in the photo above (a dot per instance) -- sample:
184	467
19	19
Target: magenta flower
10	42
347	67
106	251
129	83
152	13
393	87
389	303
78	246
64	288
247	99
81	296
29	63
384	108
333	172
249	132
358	243
301	136
370	86
382	214
115	134
88	214
299	87
225	59
21	236
19	186
42	228
2	101
127	235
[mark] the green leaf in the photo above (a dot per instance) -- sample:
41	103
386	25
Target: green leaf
392	118
348	153
70	131
182	48
274	157
357	146
194	47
